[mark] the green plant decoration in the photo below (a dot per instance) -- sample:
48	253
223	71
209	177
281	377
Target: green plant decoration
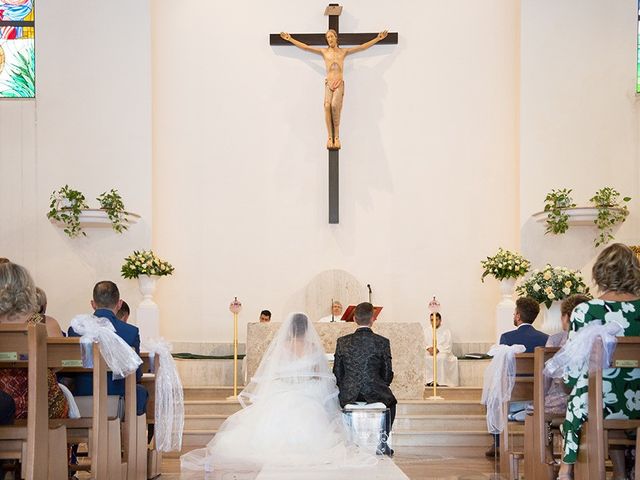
65	207
111	202
22	78
611	211
556	202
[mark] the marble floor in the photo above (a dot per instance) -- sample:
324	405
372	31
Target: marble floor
413	467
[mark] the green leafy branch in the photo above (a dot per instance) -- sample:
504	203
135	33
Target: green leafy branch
111	202
556	202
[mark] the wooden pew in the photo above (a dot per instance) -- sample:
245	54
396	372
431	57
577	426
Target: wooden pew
594	440
105	435
522	391
24	346
151	456
535	465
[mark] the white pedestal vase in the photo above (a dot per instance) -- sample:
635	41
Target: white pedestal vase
148	313
551	322
505	308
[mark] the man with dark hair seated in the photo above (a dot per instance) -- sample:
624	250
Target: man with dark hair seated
526	311
265	316
106	303
124	312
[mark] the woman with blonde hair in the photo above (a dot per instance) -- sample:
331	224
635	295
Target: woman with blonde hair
18	304
617	275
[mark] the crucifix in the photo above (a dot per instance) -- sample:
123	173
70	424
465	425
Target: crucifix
334	83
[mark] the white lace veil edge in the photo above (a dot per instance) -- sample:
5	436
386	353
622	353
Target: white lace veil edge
294	355
499	378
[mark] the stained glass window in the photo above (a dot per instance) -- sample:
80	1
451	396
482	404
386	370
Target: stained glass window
17	49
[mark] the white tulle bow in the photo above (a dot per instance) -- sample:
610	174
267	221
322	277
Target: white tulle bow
121	359
499	378
169	408
574	357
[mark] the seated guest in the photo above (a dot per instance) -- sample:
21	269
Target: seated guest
336	313
7	409
106	302
526	311
18	304
265	316
53	327
555	397
616	272
124	312
447	361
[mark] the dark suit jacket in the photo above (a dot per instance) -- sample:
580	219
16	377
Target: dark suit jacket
130	334
525	335
362	367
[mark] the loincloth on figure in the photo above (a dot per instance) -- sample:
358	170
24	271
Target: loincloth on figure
334	85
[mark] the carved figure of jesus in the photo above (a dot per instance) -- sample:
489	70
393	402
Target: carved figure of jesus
334	83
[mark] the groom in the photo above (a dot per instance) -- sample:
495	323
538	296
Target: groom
362	366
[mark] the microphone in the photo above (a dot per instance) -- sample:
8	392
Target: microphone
369	288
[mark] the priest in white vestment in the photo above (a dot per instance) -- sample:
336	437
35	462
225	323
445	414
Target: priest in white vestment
336	313
447	361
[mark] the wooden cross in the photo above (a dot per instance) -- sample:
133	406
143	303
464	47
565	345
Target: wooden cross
333	11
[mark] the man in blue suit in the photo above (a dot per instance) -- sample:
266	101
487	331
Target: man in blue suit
526	311
106	303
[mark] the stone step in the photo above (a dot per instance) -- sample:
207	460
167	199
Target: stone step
203	422
222	392
209	393
211	407
440	423
404	408
467	438
456	393
439	407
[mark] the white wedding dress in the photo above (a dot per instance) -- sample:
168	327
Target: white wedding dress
291	416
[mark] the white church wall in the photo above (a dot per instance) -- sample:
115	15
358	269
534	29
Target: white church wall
579	113
90	127
428	171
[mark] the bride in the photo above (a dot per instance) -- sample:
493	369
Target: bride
290	415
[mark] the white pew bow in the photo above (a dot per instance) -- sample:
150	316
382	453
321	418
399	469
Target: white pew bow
574	357
499	378
121	359
169	408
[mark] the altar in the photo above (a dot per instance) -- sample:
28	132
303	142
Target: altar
407	350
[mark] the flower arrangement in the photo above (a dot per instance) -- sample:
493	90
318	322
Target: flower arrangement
552	283
145	262
65	207
505	264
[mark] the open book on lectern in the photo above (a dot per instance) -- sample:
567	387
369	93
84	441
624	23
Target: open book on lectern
347	316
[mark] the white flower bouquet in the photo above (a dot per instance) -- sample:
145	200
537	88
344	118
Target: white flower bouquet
552	283
145	263
505	264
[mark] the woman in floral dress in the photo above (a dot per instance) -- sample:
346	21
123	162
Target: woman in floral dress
617	275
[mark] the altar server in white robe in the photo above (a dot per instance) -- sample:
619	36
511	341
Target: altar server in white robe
447	361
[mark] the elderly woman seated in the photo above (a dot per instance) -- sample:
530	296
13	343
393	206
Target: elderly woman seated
18	304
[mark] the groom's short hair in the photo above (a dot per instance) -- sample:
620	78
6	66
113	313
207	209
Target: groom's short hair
364	313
